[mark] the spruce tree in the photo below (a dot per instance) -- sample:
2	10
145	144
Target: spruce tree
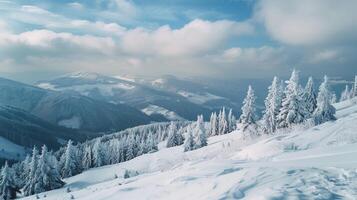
324	111
48	174
70	167
248	116
8	187
345	95
98	154
231	121
272	106
293	109
29	188
354	91
189	143
213	124
200	133
174	139
309	97
222	122
87	157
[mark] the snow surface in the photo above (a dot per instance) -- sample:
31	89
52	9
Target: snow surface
10	150
154	109
73	122
199	98
308	163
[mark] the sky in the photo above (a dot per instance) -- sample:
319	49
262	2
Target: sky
207	38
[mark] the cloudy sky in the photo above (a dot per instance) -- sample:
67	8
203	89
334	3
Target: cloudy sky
213	38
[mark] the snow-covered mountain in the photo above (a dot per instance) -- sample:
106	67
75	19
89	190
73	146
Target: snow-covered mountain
166	98
20	131
316	162
69	109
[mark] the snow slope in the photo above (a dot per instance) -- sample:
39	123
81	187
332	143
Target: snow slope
308	163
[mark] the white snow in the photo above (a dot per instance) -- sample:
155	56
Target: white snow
73	122
47	86
10	150
125	78
308	163
154	109
199	98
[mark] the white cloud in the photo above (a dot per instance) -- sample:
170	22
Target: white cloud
196	37
309	22
76	5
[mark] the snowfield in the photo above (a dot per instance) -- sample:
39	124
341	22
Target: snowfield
309	163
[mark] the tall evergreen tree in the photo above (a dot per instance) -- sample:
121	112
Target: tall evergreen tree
32	179
231	121
8	187
189	143
293	110
87	160
213	124
98	154
354	93
248	115
200	133
324	111
345	95
309	96
272	106
70	167
174	138
48	174
222	122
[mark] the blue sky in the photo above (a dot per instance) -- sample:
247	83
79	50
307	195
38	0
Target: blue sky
213	38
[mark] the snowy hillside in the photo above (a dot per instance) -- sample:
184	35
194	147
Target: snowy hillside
307	163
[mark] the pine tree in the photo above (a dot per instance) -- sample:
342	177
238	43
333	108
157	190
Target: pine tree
130	148
87	158
354	93
29	188
345	95
213	124
324	111
293	109
248	116
70	167
189	143
231	121
174	139
222	122
272	106
98	154
49	177
309	96
8	187
200	133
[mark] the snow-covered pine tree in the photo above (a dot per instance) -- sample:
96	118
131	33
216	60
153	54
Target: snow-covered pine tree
272	106
130	147
48	174
354	93
87	157
174	139
324	111
200	133
98	154
345	95
8	187
150	142
70	167
213	124
32	179
309	96
231	119
333	98
293	110
189	143
248	116
222	122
